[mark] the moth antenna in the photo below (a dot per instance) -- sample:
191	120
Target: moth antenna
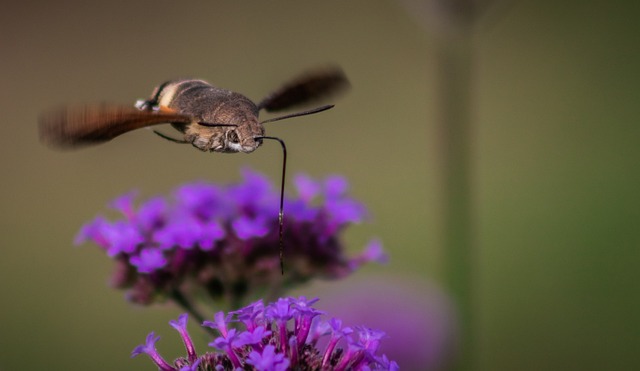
281	212
174	140
211	125
303	113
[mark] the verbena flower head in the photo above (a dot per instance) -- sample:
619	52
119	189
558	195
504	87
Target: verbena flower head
223	240
284	335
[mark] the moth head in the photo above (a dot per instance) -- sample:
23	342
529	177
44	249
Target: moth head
242	137
231	127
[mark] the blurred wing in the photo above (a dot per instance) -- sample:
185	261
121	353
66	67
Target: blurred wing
311	86
68	127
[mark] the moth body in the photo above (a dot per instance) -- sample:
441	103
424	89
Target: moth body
235	115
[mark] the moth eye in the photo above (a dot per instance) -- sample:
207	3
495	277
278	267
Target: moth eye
233	137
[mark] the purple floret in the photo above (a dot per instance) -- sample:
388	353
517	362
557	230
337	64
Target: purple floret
148	260
268	359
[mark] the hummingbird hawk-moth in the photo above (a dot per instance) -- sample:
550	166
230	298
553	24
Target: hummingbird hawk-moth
211	119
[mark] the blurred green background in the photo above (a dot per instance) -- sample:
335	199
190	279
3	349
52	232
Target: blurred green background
554	163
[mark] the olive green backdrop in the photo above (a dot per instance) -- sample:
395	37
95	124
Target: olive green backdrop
555	163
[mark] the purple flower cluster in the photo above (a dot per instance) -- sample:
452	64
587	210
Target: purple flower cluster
284	335
223	240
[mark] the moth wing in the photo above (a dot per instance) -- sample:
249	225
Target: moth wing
306	88
68	127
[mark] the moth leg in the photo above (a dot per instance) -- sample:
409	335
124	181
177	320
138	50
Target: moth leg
174	140
202	149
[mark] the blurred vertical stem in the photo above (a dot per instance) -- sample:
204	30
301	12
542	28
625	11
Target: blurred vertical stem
454	65
458	249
